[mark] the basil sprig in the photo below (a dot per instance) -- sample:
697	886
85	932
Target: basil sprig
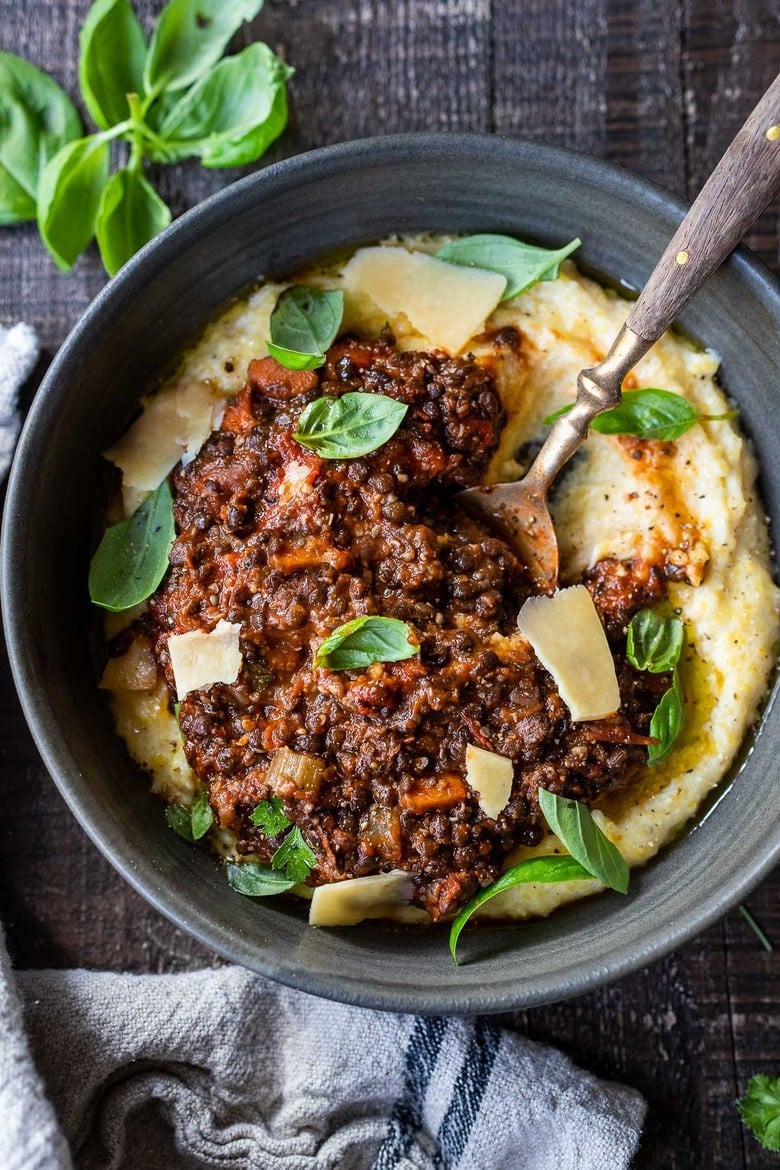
363	641
194	822
294	856
132	558
175	99
350	426
304	323
523	265
535	869
647	414
667	722
574	826
257	881
655	644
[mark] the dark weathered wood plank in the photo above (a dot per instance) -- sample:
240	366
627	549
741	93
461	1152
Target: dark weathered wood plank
549	71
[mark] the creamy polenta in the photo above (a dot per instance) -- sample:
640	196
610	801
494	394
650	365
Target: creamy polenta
690	505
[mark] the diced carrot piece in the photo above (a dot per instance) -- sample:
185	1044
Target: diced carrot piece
434	792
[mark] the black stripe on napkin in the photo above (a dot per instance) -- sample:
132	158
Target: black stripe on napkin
470	1087
422	1052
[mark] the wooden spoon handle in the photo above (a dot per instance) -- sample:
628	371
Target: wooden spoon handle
737	191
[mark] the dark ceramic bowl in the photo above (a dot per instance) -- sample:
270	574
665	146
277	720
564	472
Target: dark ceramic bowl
268	224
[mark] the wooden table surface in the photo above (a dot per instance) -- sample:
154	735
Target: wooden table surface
658	86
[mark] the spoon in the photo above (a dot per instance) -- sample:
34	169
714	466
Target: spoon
743	182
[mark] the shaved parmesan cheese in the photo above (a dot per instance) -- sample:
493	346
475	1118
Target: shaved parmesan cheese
491	776
443	302
200	660
347	903
173	424
569	640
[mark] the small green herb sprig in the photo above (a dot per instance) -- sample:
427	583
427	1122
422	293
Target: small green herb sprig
655	644
760	1110
176	97
592	855
291	864
350	426
194	822
294	858
523	265
304	323
364	641
132	558
647	414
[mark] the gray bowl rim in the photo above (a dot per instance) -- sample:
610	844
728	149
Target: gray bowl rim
133	865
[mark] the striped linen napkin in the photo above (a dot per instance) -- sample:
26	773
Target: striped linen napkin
220	1068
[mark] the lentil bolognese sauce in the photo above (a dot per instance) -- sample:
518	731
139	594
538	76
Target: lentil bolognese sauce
368	763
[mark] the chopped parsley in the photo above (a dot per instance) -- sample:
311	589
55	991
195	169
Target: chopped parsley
760	1110
294	857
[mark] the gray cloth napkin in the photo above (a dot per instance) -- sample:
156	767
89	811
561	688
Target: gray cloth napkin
222	1069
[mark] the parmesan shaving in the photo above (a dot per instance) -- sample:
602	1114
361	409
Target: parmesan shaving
568	638
199	660
349	902
491	776
445	303
174	424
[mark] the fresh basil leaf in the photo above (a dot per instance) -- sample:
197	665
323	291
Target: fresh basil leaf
294	856
190	37
132	558
36	120
270	818
760	1110
130	214
232	114
667	722
111	60
16	205
535	869
180	820
69	198
201	815
654	643
574	826
350	426
194	822
255	881
304	323
523	265
363	641
647	414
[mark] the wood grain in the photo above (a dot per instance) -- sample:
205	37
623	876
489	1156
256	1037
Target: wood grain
658	86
